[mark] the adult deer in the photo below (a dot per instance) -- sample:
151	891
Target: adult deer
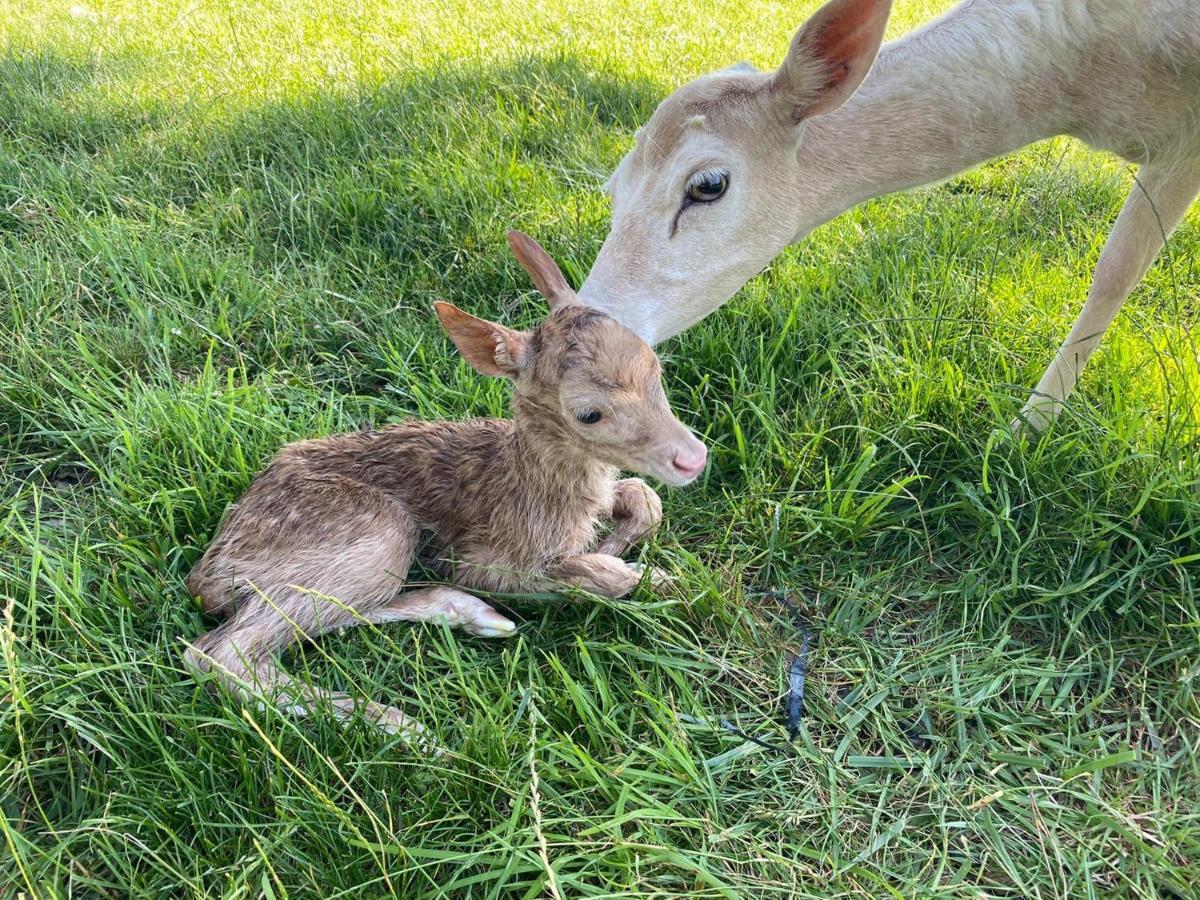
738	164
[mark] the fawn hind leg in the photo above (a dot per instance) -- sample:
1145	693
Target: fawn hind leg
301	584
234	654
242	654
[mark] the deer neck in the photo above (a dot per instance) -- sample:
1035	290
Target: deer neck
982	81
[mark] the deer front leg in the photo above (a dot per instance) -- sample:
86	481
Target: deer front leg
636	514
1157	203
444	605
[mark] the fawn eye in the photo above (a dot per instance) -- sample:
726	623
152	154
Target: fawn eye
589	416
707	186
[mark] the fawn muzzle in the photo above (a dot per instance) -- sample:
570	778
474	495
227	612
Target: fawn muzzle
690	462
680	459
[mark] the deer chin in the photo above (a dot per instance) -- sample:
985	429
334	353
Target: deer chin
653	318
659	306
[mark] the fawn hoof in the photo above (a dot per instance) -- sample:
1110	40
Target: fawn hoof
660	578
654	576
459	609
490	624
479	619
475	617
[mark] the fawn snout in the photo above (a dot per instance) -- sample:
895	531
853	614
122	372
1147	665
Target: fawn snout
689	458
660	445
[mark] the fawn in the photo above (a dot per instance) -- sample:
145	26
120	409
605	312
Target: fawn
323	538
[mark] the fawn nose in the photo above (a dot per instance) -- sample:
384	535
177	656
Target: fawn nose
690	463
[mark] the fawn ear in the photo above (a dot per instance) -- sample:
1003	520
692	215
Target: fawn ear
547	276
491	349
830	56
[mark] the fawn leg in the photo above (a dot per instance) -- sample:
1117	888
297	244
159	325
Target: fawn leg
241	656
636	514
597	573
250	673
294	577
444	604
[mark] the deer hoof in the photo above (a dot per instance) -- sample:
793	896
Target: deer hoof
656	577
491	625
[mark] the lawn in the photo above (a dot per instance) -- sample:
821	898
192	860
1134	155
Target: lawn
222	225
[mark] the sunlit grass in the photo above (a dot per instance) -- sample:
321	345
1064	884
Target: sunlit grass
221	228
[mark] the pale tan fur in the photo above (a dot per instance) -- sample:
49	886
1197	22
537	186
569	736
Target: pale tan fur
324	537
985	79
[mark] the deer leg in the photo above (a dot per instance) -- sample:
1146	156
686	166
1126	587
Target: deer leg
636	513
1157	204
243	662
444	604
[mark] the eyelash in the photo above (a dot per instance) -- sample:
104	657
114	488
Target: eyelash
703	175
694	178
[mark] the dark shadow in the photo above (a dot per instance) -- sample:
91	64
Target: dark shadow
45	107
415	168
306	234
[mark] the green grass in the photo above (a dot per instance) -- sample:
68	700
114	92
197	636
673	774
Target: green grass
221	228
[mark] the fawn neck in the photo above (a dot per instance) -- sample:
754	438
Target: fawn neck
547	465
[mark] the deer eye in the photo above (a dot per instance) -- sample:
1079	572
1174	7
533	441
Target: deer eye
589	416
707	186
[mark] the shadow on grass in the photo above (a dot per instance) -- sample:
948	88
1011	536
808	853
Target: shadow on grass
47	104
414	170
307	234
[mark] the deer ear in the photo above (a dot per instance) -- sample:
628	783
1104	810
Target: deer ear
547	276
830	56
491	349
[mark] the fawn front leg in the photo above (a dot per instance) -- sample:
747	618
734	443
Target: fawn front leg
598	573
636	513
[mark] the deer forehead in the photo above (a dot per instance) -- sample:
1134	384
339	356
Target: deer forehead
625	366
721	103
714	116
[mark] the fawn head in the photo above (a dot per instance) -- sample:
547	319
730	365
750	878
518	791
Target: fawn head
583	378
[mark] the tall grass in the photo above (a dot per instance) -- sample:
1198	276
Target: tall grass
221	228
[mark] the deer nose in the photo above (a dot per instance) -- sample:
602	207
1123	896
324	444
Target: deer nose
690	463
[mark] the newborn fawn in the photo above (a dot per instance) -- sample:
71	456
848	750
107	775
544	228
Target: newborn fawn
324	537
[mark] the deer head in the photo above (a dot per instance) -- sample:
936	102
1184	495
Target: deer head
712	190
582	382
